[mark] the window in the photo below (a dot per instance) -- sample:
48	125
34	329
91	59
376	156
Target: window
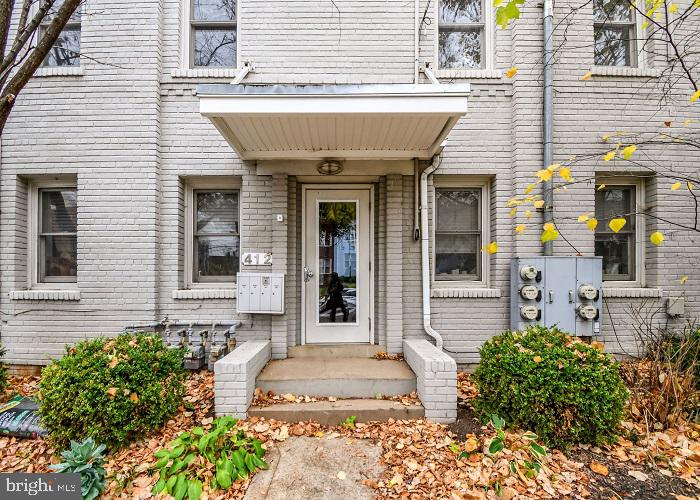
461	34
458	234
213	33
216	242
615	33
619	250
57	235
66	50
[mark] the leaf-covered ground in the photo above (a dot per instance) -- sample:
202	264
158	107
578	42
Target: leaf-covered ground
422	459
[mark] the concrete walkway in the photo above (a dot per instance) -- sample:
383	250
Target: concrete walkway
303	468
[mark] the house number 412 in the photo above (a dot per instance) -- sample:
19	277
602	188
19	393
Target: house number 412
256	259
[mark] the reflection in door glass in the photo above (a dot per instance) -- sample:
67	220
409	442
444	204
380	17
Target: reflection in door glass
337	261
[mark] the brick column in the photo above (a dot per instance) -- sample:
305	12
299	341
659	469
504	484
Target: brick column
278	326
394	263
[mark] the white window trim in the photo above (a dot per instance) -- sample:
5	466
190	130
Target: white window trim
640	61
187	68
489	49
44	70
639	230
457	182
191	185
33	281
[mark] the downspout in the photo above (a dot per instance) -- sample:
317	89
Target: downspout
425	258
416	199
416	40
547	134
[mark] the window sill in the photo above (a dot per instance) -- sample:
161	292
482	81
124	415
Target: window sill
204	73
59	71
45	295
632	292
204	293
469	73
625	71
465	293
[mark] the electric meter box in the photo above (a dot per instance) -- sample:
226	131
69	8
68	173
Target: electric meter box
557	291
260	293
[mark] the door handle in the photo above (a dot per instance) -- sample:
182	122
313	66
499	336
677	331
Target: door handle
308	274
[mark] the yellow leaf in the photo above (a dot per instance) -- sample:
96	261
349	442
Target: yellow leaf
628	151
537	359
544	174
549	235
134	397
605	138
683	280
565	173
592	224
496	3
599	468
529	188
587	76
602	186
548	226
513	202
695	96
617	224
553	167
528	213
513	211
512	72
690	185
519	228
656	238
645	25
675	186
609	155
673	8
583	218
538	204
491	247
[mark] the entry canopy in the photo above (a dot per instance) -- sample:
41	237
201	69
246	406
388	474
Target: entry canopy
365	122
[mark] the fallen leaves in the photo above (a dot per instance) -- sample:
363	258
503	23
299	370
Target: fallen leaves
599	468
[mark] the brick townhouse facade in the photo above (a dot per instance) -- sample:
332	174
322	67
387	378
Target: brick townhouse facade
136	177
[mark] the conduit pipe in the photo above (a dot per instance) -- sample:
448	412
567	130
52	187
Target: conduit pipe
425	248
547	104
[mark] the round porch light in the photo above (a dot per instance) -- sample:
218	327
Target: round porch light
329	167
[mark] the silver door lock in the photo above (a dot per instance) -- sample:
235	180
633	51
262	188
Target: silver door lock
308	274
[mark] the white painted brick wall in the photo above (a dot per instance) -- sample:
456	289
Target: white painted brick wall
234	377
436	379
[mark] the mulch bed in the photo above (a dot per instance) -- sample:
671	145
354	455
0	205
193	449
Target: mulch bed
422	459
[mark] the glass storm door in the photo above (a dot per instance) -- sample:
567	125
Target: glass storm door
336	275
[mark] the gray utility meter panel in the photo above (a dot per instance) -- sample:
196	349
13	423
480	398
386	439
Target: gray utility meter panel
562	291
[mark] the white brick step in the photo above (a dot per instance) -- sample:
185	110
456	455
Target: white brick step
337	377
335	351
335	412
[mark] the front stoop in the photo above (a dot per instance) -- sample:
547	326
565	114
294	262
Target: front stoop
335	412
337	377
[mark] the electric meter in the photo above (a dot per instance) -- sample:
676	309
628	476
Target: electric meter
528	272
587	292
528	292
529	312
587	312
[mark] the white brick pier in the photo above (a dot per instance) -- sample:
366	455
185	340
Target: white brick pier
234	377
436	379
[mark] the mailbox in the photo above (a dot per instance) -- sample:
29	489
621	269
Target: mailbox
260	293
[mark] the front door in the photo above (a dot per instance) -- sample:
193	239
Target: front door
336	272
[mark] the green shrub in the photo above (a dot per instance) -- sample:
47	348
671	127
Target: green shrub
189	460
114	390
3	372
543	380
86	459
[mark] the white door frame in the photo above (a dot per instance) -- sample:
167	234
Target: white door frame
340	187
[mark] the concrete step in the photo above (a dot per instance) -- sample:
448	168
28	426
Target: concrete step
338	377
334	351
333	413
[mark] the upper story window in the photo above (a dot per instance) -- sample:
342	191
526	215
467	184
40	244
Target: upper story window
459	233
615	33
66	49
213	33
461	34
621	250
57	242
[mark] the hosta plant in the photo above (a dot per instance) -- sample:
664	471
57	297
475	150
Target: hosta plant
184	467
86	459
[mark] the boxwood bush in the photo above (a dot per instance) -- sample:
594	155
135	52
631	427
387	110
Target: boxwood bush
114	390
543	380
